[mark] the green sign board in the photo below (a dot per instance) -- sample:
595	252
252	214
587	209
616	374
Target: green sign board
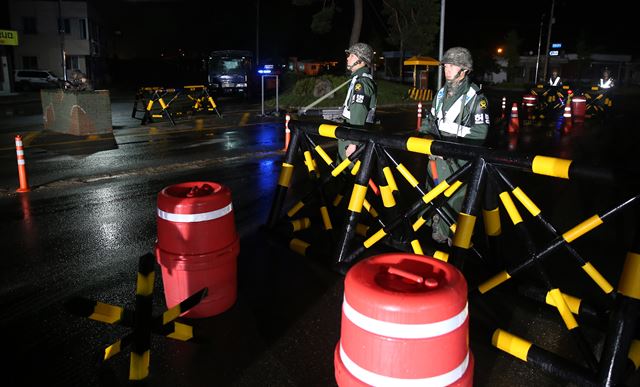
8	38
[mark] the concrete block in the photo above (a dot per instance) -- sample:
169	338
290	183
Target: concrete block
76	112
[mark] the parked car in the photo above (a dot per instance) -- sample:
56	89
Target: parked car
26	80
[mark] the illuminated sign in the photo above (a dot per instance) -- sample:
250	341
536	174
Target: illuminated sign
556	45
8	38
553	53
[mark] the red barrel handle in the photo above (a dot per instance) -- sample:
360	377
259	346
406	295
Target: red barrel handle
428	282
203	190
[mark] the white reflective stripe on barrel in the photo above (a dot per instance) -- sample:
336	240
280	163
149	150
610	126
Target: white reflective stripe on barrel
191	218
20	162
20	152
18	142
404	331
374	379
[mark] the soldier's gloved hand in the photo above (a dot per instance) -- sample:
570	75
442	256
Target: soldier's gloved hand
350	149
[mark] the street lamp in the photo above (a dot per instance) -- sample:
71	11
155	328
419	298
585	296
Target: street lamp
500	50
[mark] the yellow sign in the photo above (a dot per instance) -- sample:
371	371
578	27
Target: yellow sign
8	38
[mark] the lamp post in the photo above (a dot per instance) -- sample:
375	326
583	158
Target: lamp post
546	61
539	45
440	49
63	54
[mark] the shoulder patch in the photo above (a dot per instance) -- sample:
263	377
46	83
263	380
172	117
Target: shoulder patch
357	87
483	104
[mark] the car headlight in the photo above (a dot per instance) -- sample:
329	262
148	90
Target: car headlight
241	84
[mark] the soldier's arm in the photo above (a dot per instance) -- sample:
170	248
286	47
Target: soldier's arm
479	122
360	102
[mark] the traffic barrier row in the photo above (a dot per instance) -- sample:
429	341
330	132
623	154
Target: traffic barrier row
367	220
159	102
543	100
140	320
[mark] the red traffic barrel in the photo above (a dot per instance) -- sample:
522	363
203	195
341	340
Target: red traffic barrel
578	107
195	218
530	100
198	246
404	322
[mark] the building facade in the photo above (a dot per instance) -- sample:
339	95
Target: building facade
59	36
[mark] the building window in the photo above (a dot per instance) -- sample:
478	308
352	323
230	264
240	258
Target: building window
64	25
83	29
29	25
30	62
73	62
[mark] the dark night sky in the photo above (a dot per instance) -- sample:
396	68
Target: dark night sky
149	27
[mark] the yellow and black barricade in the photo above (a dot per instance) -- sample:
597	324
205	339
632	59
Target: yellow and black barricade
140	320
359	227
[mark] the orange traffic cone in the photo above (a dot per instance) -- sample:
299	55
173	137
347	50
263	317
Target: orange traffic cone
568	119
514	123
22	170
287	132
419	116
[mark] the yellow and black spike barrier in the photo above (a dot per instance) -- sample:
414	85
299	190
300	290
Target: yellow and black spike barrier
624	321
588	268
141	320
541	358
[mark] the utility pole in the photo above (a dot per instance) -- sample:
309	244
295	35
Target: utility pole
539	46
551	21
257	33
63	55
440	49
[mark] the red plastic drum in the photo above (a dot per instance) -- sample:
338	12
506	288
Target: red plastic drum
195	218
579	107
198	246
404	320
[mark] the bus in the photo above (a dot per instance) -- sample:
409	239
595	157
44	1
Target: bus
230	72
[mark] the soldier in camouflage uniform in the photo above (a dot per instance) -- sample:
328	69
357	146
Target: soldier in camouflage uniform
359	106
459	114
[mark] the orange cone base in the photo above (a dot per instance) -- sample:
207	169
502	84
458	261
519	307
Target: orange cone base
23	190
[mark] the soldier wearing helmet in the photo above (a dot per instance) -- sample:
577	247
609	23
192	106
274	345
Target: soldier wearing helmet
555	80
459	113
606	82
359	106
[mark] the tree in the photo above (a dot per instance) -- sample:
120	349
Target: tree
322	21
413	25
512	53
584	51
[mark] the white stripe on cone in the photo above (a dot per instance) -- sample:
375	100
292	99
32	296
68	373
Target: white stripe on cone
191	218
404	331
374	379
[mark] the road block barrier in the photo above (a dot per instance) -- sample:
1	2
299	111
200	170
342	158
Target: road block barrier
598	100
420	94
198	245
360	221
22	169
140	319
390	339
157	102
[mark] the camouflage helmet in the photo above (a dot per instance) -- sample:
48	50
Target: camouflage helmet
362	51
458	56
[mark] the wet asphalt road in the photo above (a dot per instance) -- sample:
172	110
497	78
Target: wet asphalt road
91	214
